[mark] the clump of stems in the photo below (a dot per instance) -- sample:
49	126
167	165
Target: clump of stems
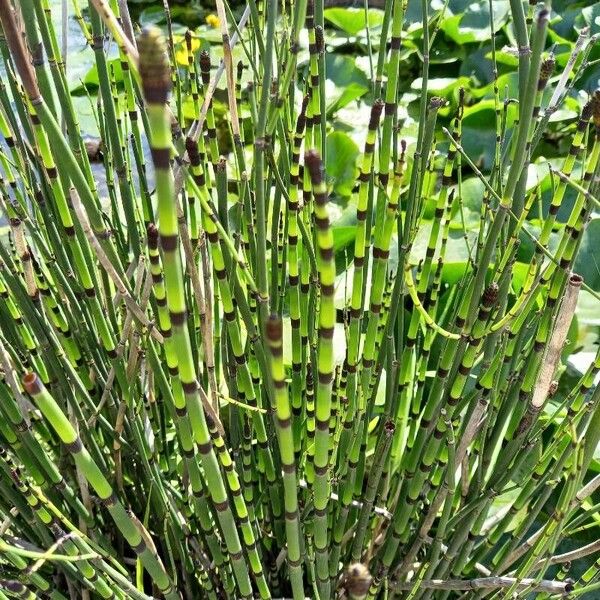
188	409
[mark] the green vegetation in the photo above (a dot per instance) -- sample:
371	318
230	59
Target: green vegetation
244	357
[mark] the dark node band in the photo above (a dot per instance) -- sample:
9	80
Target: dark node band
205	448
289	469
75	447
110	500
326	254
395	42
189	453
140	547
161	157
380	253
189	387
169	242
322	222
178	318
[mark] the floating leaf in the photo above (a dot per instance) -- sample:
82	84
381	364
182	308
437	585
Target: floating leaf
353	20
343	96
343	241
90	81
342	153
342	70
473	25
441	86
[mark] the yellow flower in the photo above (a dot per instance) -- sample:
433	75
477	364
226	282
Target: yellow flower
181	53
213	21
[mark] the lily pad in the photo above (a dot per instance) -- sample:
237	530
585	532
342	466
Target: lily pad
353	20
342	153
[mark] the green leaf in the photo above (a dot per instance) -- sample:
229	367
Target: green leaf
86	116
453	273
342	70
503	503
472	190
505	58
353	20
153	15
479	133
441	86
341	169
507	83
478	66
473	25
591	16
527	245
91	82
344	96
457	253
519	275
569	20
588	309
587	262
343	246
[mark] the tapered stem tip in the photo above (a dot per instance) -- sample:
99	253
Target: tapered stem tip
319	40
436	103
205	61
490	295
305	100
357	581
191	147
312	159
376	111
155	71
547	67
152	233
586	111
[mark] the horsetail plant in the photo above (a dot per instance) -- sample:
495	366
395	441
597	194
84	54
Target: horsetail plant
209	388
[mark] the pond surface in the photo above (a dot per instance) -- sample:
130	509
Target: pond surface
79	60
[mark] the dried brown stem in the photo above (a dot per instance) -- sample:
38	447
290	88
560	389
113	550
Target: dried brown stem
557	341
19	53
228	61
131	304
488	583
